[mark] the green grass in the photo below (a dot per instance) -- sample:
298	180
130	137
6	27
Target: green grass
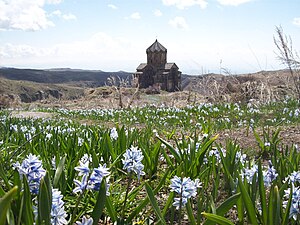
174	142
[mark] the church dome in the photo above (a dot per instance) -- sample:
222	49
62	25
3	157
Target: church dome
156	47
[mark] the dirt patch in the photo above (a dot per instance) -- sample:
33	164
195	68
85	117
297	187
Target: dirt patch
35	115
245	138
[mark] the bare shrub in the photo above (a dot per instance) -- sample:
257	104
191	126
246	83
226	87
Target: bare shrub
289	57
4	101
119	85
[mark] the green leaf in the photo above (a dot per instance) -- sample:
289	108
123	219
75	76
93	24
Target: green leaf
228	173
100	203
228	204
240	208
271	207
10	217
277	206
2	192
262	193
110	209
288	207
27	215
3	175
154	203
5	203
258	140
59	171
146	200
248	203
172	149
168	160
225	206
168	203
44	201
208	143
190	213
218	219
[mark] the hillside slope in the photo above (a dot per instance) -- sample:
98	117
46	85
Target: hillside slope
93	78
28	85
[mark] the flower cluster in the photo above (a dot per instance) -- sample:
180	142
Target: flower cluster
114	133
249	173
293	177
215	152
239	157
133	161
85	221
269	175
32	168
295	206
185	187
58	213
89	181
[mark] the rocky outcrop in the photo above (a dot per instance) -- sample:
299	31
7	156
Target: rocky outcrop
55	94
40	95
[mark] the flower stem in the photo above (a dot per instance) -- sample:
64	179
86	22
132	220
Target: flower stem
78	201
126	196
75	208
180	208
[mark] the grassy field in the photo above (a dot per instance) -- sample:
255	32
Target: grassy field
152	164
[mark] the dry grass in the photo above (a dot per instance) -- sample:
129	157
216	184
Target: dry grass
264	86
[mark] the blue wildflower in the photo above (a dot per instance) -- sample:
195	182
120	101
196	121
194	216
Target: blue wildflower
85	221
249	173
176	202
32	168
89	181
239	157
97	176
81	185
270	175
133	161
114	133
83	169
215	152
185	187
293	177
58	213
295	206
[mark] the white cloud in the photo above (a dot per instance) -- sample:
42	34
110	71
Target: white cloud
10	51
99	44
99	51
179	23
69	16
182	4
55	2
135	16
233	2
296	21
56	13
112	6
59	14
27	15
157	13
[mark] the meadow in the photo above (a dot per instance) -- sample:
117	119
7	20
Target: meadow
151	164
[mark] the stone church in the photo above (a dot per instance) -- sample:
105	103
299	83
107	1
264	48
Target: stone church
157	72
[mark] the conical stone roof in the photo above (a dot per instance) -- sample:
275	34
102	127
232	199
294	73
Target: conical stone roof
156	47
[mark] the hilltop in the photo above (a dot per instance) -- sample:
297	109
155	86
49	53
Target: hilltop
82	86
76	77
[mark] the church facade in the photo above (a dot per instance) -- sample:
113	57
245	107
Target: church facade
157	72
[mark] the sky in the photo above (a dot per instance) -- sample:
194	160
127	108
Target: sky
201	36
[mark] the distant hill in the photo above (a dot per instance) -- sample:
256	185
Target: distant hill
30	85
92	78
